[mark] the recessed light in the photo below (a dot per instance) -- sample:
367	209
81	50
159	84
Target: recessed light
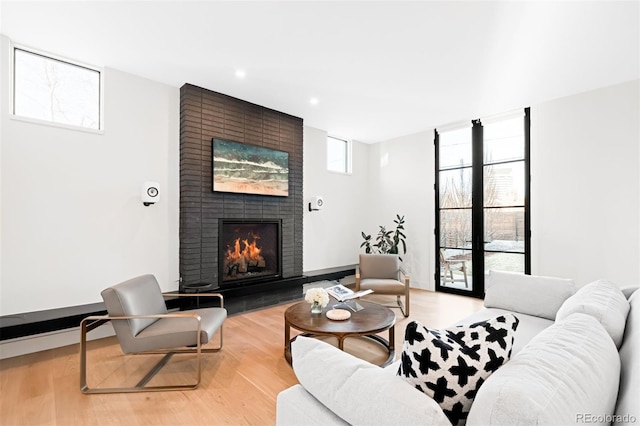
241	73
313	101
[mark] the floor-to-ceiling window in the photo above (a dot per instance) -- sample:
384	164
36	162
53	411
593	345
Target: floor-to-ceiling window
482	201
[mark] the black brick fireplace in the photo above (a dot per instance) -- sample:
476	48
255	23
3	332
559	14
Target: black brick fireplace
205	115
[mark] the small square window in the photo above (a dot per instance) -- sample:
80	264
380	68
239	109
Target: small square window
56	91
338	155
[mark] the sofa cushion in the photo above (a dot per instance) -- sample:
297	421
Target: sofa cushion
295	406
567	372
602	300
629	393
528	294
450	365
528	326
628	290
342	382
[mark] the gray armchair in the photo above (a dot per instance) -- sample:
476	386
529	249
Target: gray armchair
383	274
142	324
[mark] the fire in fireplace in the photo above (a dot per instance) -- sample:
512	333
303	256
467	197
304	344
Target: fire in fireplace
250	250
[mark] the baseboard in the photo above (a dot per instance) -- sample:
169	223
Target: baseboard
45	341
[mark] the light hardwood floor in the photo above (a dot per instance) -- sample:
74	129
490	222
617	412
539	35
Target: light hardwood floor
239	384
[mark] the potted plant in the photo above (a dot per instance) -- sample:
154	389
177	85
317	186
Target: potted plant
387	242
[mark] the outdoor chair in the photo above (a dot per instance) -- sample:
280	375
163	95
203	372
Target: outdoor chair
450	265
143	325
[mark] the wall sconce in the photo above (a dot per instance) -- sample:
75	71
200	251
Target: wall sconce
316	203
150	193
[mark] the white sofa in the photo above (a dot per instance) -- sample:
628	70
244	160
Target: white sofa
574	361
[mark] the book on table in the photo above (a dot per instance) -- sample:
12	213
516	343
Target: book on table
342	293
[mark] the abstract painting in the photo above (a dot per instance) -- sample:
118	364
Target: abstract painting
249	169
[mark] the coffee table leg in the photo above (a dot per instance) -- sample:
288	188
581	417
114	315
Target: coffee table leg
341	342
287	341
392	338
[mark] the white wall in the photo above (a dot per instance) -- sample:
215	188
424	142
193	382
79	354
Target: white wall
402	179
332	235
72	222
586	185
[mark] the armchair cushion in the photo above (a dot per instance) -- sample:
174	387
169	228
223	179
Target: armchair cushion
385	266
169	333
382	286
137	296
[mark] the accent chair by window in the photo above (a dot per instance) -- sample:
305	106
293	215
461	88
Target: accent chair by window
383	274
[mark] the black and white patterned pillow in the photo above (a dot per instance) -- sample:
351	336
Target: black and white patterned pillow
450	365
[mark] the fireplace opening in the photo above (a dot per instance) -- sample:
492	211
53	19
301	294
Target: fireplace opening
250	250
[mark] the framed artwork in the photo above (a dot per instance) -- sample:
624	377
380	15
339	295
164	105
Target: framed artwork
249	169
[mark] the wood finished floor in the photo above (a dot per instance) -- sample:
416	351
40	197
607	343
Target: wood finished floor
239	384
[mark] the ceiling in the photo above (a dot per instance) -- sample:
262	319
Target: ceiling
379	70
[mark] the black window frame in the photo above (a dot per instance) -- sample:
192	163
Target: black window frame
477	244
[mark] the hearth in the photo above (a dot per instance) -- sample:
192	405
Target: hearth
250	250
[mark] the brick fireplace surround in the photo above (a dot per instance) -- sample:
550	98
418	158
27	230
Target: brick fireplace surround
205	115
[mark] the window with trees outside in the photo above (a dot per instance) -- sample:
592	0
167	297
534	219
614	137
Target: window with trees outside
51	90
482	201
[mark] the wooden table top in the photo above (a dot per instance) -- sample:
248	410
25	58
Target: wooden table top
372	319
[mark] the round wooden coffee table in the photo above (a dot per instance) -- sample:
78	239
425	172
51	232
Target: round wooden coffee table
366	323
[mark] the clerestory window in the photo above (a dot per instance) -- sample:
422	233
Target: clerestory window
338	155
55	91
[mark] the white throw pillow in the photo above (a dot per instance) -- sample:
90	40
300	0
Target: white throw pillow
359	392
602	300
568	374
528	294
